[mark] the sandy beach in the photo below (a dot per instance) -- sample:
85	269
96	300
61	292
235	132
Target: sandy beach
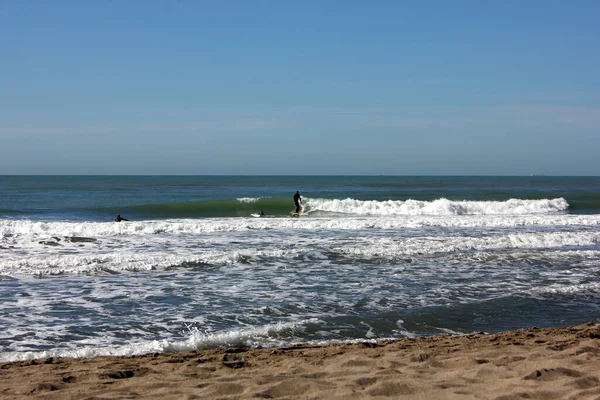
532	363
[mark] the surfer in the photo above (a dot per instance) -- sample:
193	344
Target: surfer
297	201
262	213
119	218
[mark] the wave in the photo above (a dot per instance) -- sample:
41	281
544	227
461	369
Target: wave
53	254
248	199
442	207
390	248
14	232
243	207
266	336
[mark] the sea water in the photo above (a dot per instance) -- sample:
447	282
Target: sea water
370	257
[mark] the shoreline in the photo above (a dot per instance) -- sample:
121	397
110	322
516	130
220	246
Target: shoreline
536	363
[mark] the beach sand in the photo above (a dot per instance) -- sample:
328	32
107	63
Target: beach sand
532	363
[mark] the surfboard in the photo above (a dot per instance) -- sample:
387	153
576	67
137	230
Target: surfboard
255	215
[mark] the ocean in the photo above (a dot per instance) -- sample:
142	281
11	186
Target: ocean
370	257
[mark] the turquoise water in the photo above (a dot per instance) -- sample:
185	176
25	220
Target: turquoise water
370	257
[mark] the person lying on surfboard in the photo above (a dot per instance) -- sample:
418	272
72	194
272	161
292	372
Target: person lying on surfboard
119	218
297	201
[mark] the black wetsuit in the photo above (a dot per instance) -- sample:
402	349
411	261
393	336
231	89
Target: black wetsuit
119	219
297	201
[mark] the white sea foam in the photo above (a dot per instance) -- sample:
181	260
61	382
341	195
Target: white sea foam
345	268
30	247
15	231
127	260
579	288
147	252
268	336
403	331
393	248
437	207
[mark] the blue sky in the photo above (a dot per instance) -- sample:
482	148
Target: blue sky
311	87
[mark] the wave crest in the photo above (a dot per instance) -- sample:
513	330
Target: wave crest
441	207
248	199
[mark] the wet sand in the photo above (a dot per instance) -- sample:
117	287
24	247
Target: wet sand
532	363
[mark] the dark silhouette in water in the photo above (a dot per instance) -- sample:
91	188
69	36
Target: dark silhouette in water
119	218
297	201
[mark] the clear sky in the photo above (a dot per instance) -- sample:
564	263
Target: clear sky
300	87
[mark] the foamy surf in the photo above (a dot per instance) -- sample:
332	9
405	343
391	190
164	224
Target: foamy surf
54	248
439	207
266	336
192	269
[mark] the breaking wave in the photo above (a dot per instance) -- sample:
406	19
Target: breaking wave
442	207
283	206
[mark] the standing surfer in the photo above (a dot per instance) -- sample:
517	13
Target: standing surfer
297	201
